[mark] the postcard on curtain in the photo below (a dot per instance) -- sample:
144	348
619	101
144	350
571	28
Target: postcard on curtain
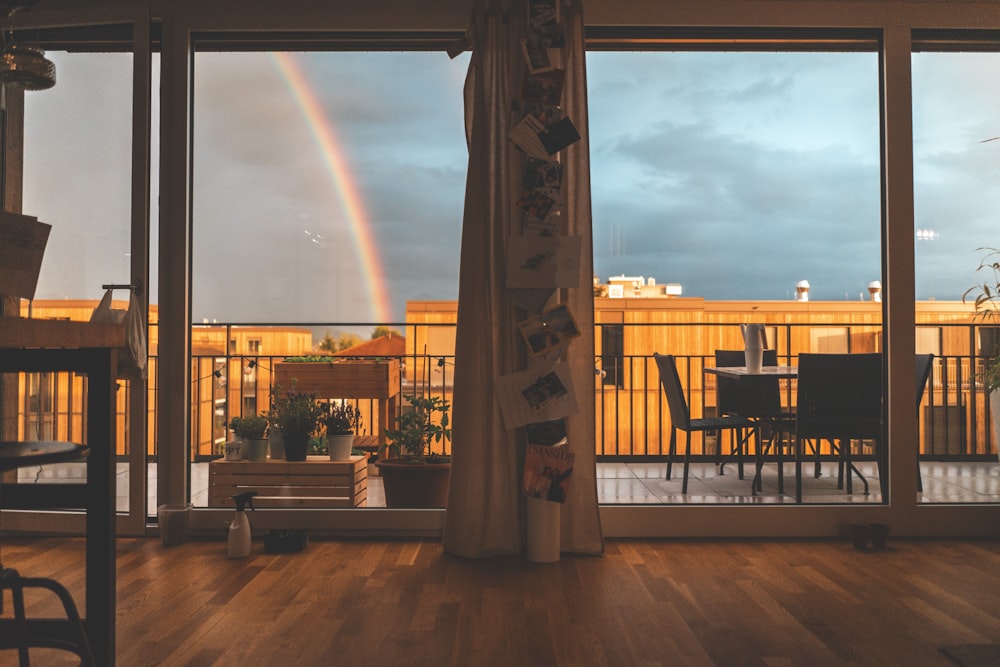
537	394
543	261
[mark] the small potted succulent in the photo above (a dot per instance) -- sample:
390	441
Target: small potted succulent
298	415
986	297
251	431
342	420
413	475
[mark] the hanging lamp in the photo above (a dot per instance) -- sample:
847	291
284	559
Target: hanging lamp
20	65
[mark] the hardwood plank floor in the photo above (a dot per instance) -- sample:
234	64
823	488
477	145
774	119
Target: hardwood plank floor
405	602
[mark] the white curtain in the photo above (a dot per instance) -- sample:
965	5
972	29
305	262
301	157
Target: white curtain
485	514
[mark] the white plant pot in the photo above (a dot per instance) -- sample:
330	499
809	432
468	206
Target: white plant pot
234	450
339	446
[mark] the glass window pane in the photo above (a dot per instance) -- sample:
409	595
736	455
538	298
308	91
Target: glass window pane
77	173
731	177
737	174
328	187
956	166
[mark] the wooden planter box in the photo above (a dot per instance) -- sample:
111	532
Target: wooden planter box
340	379
315	482
346	379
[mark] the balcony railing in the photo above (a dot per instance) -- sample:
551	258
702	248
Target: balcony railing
231	375
632	419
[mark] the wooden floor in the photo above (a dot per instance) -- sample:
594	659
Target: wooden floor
644	603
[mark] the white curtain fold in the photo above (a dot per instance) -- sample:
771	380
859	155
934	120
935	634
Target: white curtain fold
485	514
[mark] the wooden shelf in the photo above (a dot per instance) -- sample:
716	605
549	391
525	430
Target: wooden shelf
315	482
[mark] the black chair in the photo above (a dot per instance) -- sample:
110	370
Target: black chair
680	415
925	362
839	399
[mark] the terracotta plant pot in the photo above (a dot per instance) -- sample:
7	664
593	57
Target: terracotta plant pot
409	484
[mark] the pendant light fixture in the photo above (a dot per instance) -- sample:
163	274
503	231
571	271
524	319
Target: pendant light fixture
24	66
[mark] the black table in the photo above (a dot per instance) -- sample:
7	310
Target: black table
15	455
92	350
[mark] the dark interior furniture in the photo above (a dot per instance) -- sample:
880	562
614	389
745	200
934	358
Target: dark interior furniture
680	415
92	350
839	399
69	635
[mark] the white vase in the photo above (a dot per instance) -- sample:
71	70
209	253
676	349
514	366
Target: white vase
995	419
543	534
339	446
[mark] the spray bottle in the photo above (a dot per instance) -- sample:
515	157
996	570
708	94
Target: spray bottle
239	529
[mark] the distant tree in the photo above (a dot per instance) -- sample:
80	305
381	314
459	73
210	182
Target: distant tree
382	331
328	344
341	342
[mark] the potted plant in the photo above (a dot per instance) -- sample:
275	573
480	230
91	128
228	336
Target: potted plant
342	419
251	431
414	476
987	303
298	416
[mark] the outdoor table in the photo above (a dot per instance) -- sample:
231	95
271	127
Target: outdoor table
742	374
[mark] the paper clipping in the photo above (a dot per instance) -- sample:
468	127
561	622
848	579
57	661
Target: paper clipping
549	332
543	261
547	471
536	394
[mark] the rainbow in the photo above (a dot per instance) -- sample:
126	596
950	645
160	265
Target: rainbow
350	198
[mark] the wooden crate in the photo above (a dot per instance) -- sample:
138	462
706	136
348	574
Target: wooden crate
315	482
346	379
340	379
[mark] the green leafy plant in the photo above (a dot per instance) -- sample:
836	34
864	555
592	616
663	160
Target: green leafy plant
424	423
249	428
294	412
342	418
986	298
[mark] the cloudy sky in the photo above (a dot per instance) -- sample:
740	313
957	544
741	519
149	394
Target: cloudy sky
735	175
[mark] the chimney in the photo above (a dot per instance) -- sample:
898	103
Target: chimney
875	289
802	290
